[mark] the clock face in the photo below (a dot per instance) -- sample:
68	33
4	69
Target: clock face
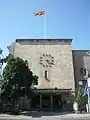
46	60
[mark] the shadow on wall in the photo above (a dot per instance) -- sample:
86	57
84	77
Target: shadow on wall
79	70
68	101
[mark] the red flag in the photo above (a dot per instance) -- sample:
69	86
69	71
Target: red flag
39	13
79	92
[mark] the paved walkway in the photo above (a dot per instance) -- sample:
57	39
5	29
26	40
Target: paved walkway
45	115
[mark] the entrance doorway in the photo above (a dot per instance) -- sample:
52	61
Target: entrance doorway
46	102
57	102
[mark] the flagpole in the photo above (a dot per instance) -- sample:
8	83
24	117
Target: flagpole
45	26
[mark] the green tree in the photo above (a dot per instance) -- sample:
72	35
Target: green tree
7	57
80	101
18	79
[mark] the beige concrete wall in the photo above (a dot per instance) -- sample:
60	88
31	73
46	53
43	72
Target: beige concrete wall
61	74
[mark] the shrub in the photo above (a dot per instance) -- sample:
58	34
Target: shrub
80	101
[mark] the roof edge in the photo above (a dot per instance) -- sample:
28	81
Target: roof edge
37	39
82	50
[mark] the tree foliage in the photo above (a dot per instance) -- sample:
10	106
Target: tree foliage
80	101
4	60
17	78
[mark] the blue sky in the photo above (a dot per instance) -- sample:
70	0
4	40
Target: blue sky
65	19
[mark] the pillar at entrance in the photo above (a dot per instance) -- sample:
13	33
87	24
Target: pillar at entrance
40	102
51	99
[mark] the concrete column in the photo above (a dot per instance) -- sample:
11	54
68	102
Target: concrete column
40	102
30	100
51	99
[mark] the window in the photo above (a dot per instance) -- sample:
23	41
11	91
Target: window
46	74
83	71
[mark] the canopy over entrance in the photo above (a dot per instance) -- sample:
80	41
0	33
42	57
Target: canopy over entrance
50	91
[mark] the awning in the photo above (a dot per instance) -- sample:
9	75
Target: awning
50	91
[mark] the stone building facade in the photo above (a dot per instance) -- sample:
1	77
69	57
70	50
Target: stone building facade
52	61
81	63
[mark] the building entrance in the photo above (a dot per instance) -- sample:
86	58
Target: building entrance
46	102
57	102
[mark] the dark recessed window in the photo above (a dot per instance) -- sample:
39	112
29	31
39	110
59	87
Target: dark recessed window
45	73
46	65
83	71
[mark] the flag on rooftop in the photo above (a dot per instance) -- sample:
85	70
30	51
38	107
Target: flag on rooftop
85	91
42	12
